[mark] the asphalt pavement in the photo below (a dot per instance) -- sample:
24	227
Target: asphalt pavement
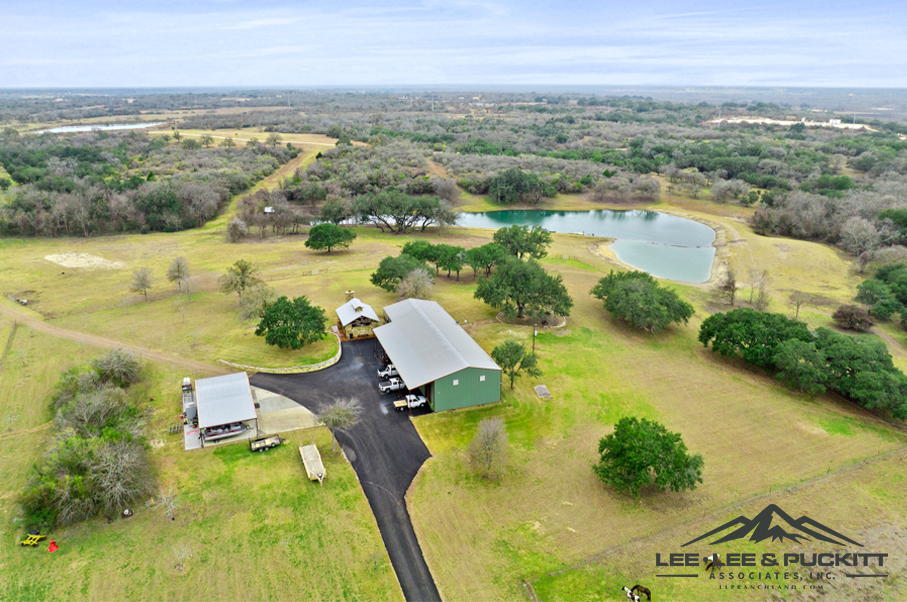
384	448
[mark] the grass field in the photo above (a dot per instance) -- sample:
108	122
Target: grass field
548	513
255	527
550	510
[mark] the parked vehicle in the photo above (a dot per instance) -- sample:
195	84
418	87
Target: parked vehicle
410	401
393	384
387	372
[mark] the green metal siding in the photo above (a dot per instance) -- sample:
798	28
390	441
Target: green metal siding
469	390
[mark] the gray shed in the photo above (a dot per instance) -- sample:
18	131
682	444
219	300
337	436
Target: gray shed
432	352
224	402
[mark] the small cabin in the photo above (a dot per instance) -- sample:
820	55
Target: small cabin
357	319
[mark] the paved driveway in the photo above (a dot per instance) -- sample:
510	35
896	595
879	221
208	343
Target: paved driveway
384	448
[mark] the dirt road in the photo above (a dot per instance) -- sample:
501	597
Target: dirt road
89	339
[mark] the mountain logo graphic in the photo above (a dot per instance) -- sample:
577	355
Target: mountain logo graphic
775	523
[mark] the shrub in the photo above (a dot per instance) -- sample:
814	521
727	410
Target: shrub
488	450
852	317
118	368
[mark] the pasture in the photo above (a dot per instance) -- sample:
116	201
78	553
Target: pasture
549	513
252	525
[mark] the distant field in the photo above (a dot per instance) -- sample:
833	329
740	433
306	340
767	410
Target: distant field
255	527
242	137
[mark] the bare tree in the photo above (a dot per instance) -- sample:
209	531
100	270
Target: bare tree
796	300
859	235
120	473
119	368
253	304
341	415
169	500
182	552
727	288
488	450
757	282
178	272
417	285
141	282
762	298
722	190
237	229
446	189
838	162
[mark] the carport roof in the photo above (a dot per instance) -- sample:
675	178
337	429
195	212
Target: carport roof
224	400
426	344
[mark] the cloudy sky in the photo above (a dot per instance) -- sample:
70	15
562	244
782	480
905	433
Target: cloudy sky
472	42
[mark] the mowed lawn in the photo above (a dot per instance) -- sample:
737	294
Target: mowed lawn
550	510
253	525
867	502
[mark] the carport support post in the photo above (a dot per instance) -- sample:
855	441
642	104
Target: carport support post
535	333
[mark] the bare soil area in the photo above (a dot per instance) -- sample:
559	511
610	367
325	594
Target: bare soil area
84	260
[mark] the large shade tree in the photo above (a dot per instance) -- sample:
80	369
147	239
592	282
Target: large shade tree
392	270
522	240
484	258
399	212
327	236
522	288
637	298
641	452
292	324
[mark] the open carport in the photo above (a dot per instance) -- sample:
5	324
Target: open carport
384	448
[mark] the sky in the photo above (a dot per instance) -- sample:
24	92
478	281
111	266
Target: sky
356	43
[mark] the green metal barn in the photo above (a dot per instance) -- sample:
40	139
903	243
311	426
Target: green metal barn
433	353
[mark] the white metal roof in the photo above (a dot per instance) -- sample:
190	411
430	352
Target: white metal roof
224	399
354	309
426	344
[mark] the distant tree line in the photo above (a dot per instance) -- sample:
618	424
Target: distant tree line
99	183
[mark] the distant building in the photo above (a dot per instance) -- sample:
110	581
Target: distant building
834	121
269	210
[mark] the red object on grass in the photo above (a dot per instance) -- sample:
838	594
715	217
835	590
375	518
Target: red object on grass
53	547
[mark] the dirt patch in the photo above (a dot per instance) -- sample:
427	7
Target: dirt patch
84	260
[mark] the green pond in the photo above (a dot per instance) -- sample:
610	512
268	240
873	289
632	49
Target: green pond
663	245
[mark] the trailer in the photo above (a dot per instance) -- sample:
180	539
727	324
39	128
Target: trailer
265	443
311	459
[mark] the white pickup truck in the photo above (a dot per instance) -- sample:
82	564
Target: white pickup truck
411	401
387	372
393	384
